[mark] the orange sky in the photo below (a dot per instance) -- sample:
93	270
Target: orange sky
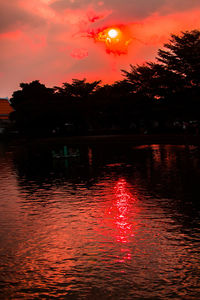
53	40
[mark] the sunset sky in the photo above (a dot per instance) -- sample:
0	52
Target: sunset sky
56	40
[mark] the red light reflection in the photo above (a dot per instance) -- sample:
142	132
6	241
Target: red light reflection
120	218
122	204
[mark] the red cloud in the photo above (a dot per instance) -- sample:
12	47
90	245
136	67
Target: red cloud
79	53
94	16
12	35
34	42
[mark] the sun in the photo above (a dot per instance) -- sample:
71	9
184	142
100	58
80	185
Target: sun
113	33
116	38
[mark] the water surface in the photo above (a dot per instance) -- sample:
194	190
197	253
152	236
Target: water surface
110	223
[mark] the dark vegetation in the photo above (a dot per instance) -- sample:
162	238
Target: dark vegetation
157	97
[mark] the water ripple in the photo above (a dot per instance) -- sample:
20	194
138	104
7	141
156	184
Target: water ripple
127	230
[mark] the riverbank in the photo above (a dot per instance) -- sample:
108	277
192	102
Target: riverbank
176	139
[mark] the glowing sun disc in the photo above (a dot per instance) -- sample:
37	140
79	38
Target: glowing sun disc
112	33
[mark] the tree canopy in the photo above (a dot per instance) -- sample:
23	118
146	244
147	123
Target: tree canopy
160	91
182	56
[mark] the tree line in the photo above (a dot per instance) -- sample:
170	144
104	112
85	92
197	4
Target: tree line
154	97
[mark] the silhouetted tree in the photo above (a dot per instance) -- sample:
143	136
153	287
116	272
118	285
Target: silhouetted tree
34	107
182	56
153	81
78	88
173	83
162	91
33	91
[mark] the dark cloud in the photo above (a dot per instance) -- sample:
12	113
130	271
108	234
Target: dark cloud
72	4
179	5
13	16
134	9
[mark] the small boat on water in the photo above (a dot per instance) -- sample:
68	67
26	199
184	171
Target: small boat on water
66	153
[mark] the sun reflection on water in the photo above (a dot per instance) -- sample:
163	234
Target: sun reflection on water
120	218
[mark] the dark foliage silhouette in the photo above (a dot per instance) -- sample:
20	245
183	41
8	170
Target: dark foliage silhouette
151	98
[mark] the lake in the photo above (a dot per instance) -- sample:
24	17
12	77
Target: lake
99	221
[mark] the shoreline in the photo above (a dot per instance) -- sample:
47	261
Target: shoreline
131	139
